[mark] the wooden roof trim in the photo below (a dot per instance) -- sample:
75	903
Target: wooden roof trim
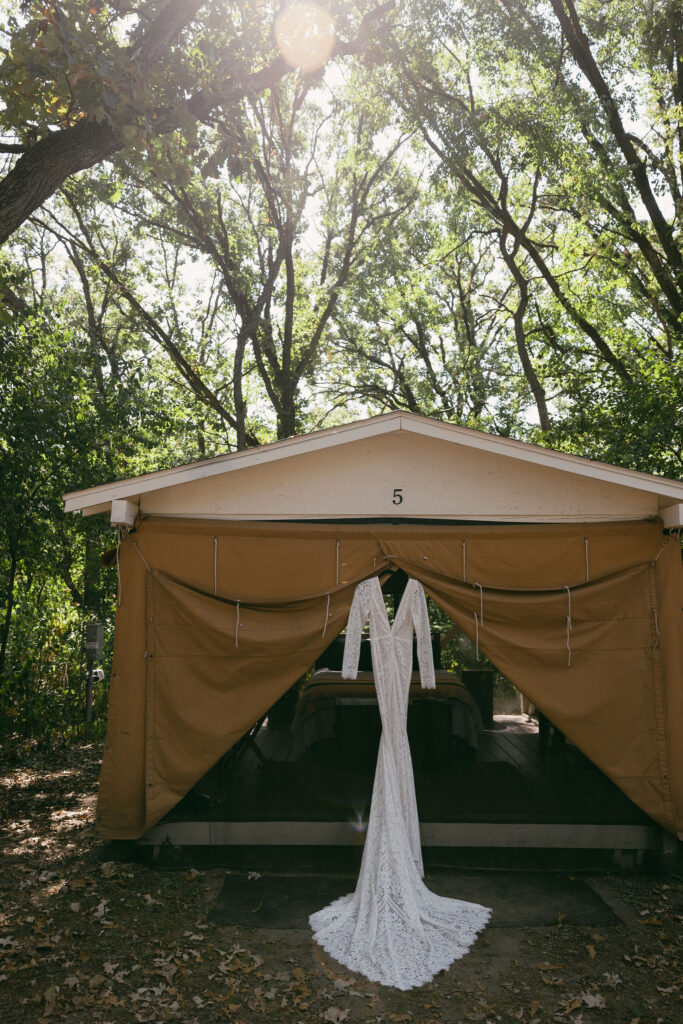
301	443
374	427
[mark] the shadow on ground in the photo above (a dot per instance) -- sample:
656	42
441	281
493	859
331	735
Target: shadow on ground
277	901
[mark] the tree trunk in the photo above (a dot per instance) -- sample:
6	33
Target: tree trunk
8	610
286	419
45	167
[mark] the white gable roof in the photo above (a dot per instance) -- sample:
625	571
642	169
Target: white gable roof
441	470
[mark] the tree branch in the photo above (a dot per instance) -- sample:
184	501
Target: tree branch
43	169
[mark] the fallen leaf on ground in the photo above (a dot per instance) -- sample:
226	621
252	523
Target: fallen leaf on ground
335	1016
50	997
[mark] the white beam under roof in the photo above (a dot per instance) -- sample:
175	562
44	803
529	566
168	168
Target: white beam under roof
95	499
672	516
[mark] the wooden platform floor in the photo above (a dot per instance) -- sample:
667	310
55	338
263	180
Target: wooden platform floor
508	782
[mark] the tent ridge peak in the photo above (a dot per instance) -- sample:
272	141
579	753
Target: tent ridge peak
423	429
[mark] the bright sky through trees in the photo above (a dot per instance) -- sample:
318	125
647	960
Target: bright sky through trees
469	209
305	35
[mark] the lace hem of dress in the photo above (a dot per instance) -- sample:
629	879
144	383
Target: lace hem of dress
401	955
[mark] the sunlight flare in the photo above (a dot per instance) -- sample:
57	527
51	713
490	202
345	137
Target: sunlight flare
305	35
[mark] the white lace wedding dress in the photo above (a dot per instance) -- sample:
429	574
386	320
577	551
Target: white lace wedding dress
392	929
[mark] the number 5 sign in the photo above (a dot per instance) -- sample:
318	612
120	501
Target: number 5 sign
398	496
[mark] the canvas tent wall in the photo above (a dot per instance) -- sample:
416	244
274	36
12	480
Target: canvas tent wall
218	617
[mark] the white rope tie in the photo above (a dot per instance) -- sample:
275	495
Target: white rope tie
476	635
655	645
481	602
569	625
464	560
327	615
145	562
118	570
585	539
215	566
337	572
237	626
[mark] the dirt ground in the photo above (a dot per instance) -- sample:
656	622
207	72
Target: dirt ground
87	938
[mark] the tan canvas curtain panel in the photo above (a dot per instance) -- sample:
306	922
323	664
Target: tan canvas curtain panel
217	620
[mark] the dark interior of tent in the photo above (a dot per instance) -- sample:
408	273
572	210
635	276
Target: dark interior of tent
482	751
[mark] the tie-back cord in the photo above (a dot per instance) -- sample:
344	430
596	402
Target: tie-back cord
481	602
215	566
478	618
144	560
118	566
569	625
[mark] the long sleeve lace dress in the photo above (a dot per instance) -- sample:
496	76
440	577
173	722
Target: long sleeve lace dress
392	929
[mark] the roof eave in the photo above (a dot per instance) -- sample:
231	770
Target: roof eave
133	487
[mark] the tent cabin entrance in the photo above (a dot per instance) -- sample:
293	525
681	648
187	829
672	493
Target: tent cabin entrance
237	572
486	777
